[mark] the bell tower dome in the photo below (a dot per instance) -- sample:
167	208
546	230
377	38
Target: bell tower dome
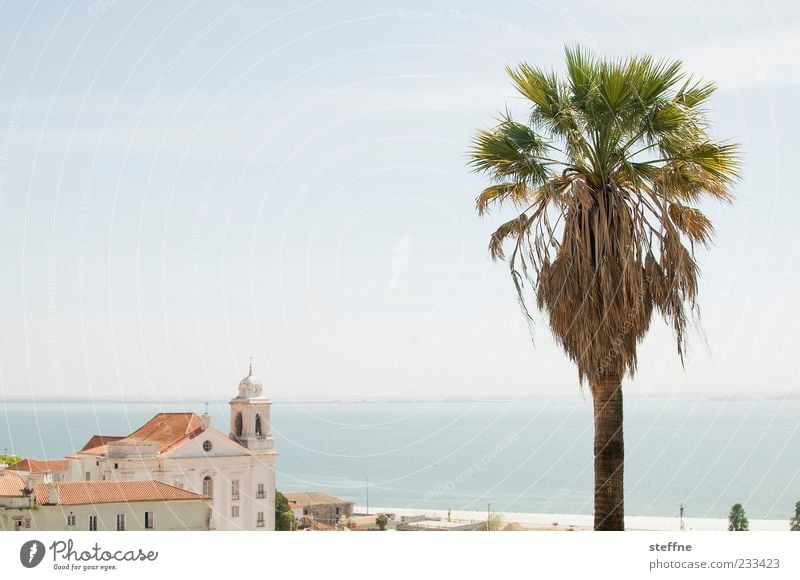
250	410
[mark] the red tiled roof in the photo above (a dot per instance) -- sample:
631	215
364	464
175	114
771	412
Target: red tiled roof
311	498
91	492
167	429
11	484
38	466
97	444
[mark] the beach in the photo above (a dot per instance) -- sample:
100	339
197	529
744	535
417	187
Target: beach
579	522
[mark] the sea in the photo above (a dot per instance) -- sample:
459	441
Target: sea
531	455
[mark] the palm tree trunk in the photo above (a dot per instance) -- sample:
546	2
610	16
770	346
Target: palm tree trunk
609	454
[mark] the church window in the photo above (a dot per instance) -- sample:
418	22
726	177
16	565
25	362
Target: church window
235	490
208	486
238	424
258	425
260	493
235	511
207	446
260	520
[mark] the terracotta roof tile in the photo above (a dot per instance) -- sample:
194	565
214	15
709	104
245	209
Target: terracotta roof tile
309	498
167	429
39	466
11	484
97	444
92	492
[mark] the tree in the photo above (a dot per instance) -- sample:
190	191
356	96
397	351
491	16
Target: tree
494	522
794	523
381	521
284	516
603	178
9	459
737	521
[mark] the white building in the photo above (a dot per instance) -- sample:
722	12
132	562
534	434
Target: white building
236	470
99	506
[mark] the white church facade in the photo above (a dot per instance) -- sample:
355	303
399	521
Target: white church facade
236	470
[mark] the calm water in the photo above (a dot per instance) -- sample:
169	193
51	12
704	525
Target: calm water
531	456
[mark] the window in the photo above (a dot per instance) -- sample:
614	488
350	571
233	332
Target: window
71	520
260	493
120	522
207	446
235	511
305	511
148	520
208	486
92	523
116	466
258	426
28	523
235	490
260	520
238	424
88	476
337	512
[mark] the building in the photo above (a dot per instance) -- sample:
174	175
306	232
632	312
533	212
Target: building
236	470
319	507
99	506
42	471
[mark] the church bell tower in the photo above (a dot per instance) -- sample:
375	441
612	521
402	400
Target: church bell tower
250	422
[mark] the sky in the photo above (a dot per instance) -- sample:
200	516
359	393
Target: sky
184	185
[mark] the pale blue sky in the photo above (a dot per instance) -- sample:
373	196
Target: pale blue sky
184	184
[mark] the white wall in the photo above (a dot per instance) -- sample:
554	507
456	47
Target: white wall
168	515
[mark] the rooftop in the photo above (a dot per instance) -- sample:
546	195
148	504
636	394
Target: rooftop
92	492
311	498
97	444
40	466
165	429
11	484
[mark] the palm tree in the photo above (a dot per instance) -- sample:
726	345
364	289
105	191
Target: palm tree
603	177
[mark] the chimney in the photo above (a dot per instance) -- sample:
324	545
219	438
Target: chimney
52	494
205	421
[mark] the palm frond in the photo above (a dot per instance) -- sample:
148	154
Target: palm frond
609	171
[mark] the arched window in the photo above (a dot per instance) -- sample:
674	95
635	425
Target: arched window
258	425
208	486
238	425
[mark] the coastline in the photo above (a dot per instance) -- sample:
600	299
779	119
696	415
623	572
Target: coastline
580	522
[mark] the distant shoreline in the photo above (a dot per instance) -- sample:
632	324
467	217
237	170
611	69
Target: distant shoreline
744	397
581	522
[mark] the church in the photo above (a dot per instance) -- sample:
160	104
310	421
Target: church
237	470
